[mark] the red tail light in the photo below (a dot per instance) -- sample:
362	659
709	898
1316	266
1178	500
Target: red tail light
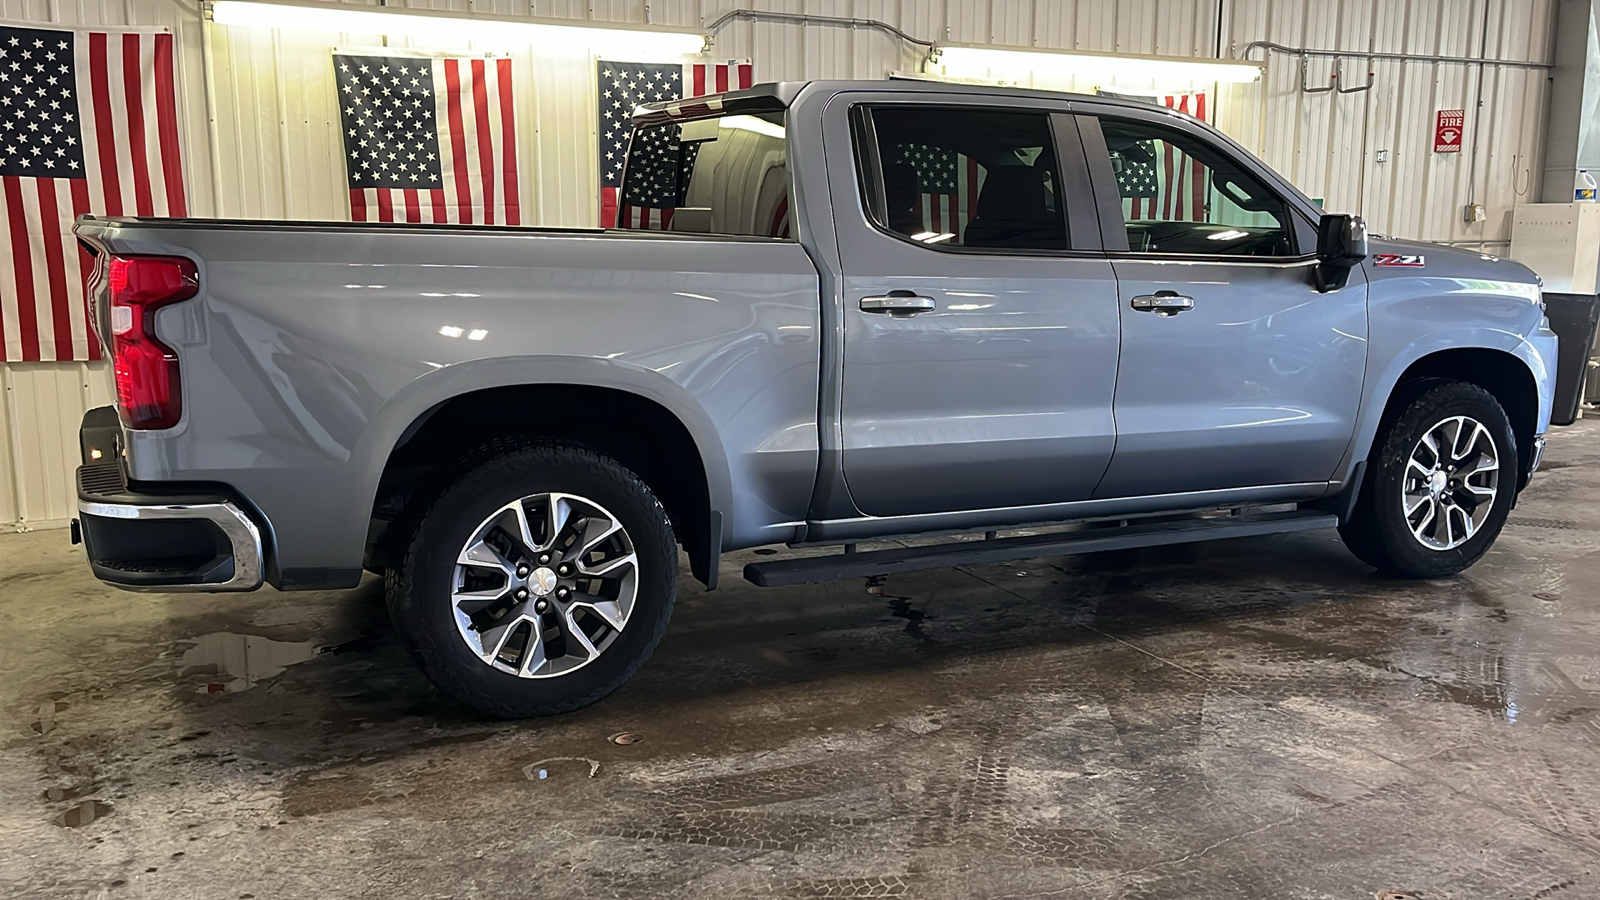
149	393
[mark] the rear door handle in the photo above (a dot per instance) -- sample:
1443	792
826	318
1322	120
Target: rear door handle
1163	303
900	304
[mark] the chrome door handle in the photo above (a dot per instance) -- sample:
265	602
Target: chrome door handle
1163	303
900	304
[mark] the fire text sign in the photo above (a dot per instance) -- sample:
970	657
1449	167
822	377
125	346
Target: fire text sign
1447	130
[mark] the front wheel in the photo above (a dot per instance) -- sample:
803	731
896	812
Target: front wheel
537	583
1440	487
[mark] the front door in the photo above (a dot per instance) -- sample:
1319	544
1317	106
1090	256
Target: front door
1235	371
979	350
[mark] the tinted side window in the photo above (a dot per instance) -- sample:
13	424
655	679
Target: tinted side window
969	178
725	175
1182	196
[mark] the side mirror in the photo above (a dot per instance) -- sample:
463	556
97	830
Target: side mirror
1341	246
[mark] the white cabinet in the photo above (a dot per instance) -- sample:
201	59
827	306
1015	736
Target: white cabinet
1560	241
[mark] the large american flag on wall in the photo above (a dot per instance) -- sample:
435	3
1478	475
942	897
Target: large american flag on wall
1172	187
429	139
88	124
624	86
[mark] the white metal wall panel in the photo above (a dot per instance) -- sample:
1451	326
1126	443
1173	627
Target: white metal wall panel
1327	142
43	404
279	152
11	471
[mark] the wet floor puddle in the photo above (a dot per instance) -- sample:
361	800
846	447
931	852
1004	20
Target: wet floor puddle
238	662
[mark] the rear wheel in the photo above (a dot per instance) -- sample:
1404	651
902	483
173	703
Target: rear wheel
1440	487
537	583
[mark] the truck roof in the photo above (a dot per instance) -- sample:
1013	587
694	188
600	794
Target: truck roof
777	95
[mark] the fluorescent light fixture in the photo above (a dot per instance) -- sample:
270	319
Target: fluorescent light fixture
1229	235
640	43
932	237
477	334
451	331
1151	72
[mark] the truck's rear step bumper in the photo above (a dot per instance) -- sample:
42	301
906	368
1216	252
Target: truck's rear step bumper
804	570
170	547
193	541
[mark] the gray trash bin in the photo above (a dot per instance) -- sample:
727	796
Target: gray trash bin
1573	318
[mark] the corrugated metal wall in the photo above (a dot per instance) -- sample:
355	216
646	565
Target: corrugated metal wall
39	417
277	153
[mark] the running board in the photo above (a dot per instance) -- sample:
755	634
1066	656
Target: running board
809	569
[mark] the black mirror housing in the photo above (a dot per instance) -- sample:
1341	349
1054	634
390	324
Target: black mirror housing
1341	246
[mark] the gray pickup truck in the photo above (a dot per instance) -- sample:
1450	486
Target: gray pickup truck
838	312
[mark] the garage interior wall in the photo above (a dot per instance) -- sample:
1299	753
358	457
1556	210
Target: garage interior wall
277	151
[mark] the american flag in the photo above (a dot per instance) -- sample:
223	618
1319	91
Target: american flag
623	86
948	187
88	124
1173	186
429	139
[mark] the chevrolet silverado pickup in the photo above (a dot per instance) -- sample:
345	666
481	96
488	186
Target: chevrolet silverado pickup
833	313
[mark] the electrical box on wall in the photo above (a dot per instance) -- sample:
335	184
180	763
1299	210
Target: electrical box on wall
1561	242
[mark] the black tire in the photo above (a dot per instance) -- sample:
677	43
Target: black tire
419	589
1378	532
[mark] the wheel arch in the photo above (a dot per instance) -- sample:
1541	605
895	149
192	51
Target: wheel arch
666	439
1504	372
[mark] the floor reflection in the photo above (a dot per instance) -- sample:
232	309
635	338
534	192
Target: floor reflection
238	662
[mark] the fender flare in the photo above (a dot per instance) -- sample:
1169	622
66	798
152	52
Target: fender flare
412	403
1385	382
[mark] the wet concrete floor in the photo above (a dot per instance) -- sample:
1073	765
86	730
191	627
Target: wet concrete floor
1260	718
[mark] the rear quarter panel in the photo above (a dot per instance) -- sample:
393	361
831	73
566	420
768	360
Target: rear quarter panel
311	350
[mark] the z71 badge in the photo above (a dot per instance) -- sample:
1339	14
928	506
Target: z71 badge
1396	259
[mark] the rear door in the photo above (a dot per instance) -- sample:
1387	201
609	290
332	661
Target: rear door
1235	371
980	323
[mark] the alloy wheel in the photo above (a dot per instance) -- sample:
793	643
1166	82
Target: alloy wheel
1452	479
544	585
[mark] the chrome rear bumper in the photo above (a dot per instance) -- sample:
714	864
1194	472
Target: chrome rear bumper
168	547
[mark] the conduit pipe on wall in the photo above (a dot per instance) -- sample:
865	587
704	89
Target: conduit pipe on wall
980	60
754	15
1369	55
207	59
807	19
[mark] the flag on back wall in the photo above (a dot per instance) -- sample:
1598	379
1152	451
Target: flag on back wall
624	86
947	187
1173	186
88	124
428	139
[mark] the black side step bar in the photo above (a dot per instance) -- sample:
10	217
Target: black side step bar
808	569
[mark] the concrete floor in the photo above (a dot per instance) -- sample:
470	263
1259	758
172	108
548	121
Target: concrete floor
1258	718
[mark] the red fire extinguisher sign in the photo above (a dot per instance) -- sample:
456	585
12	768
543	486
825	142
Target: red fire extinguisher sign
1447	130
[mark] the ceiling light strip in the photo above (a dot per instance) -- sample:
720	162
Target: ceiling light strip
962	61
643	43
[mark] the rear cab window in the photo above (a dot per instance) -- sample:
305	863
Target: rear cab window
953	178
723	175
